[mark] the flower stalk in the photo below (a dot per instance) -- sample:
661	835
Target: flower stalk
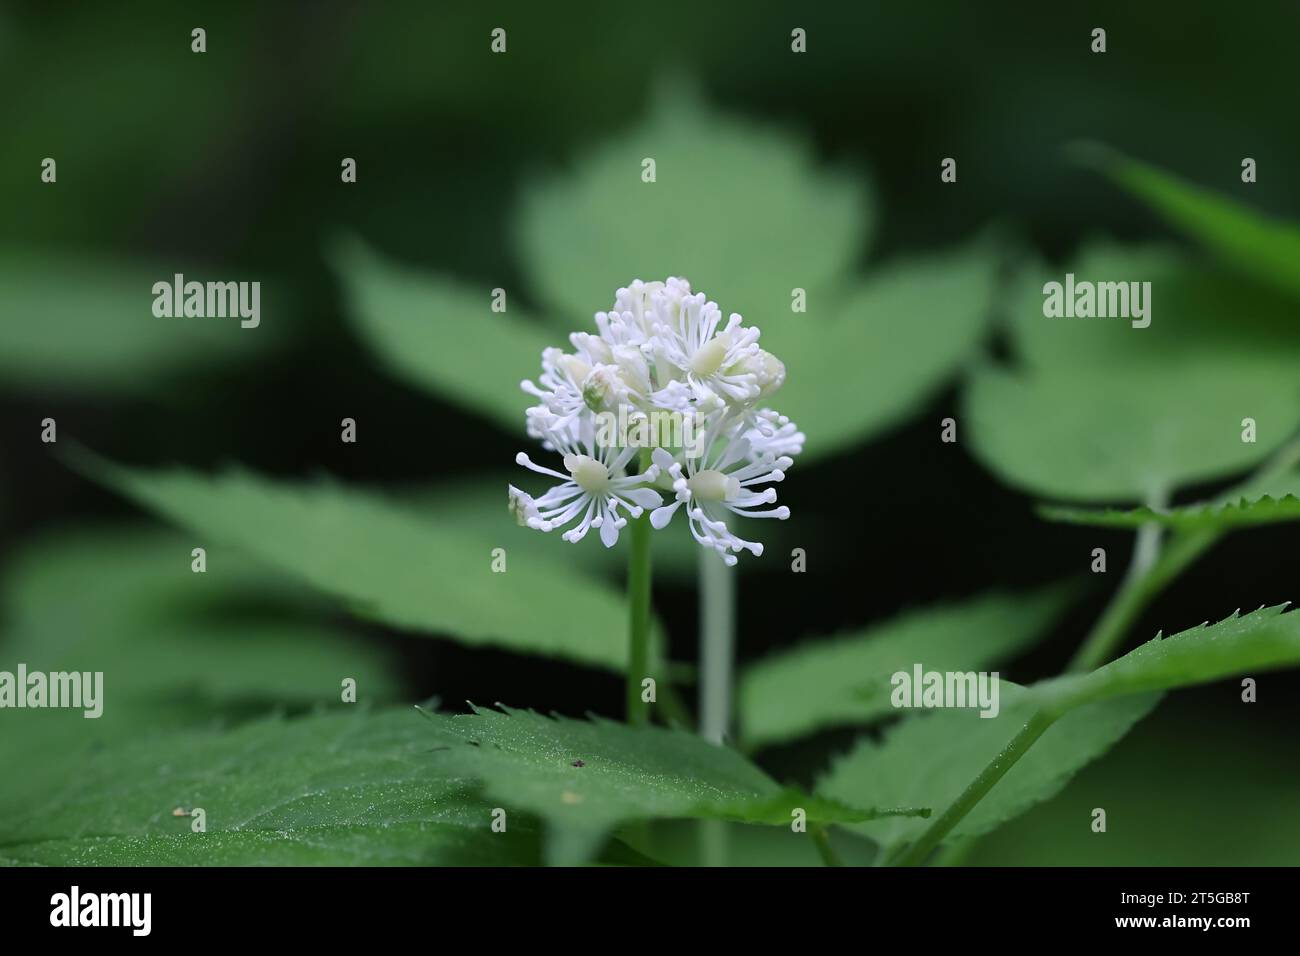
639	579
717	646
663	401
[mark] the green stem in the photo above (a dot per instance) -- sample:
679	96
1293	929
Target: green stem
717	646
917	852
717	588
638	627
822	840
1135	594
1149	574
670	707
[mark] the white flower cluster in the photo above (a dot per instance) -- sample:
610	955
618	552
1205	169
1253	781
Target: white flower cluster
663	374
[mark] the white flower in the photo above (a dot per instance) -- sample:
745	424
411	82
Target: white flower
771	433
592	492
713	362
661	359
722	479
561	381
632	319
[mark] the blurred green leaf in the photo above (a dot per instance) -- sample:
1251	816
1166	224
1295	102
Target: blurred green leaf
176	649
87	323
1265	248
859	360
1196	311
356	789
1101	411
1069	433
439	334
846	680
389	564
743	211
747	215
863	364
586	777
931	758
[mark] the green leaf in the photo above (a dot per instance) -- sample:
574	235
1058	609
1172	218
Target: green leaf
1069	433
679	843
86	323
1241	513
743	211
748	216
846	680
1195	311
355	788
1268	496
389	564
1265	248
176	649
584	778
1101	411
931	758
863	363
154	628
1265	639
439	334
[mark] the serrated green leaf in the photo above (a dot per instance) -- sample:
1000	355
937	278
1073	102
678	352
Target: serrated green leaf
846	680
389	564
86	323
1265	497
1265	248
586	777
440	334
354	788
176	649
933	757
1265	639
1241	513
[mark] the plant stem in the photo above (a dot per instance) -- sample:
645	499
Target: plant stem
717	589
917	852
717	646
822	840
1134	595
638	627
1151	571
671	709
